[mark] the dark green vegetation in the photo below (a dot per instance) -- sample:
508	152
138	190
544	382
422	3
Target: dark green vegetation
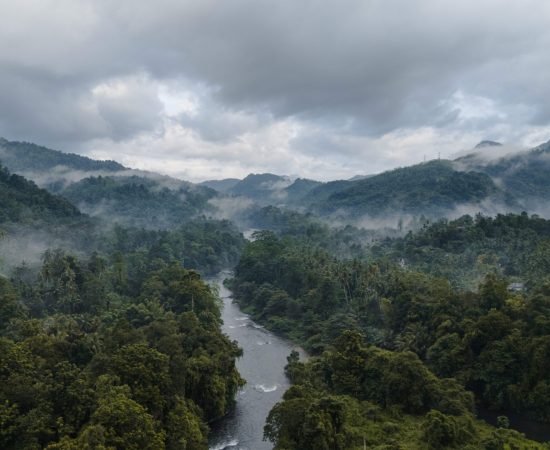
205	245
357	396
21	201
86	363
465	250
492	340
263	188
477	182
524	175
266	188
140	201
436	188
27	158
108	190
432	188
32	218
118	347
344	242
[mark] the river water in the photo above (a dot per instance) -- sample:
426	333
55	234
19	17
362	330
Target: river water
262	366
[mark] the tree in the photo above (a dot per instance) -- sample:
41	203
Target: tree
126	424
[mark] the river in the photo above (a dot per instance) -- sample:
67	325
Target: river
262	366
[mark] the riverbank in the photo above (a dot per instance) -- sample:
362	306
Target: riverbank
262	366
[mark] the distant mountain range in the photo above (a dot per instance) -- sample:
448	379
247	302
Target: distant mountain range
29	159
481	180
107	189
523	175
224	186
433	188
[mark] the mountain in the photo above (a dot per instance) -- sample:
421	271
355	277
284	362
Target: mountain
299	190
433	188
264	188
491	178
107	189
22	202
322	192
140	201
46	166
222	186
359	177
522	174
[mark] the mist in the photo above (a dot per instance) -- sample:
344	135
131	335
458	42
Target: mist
231	208
28	245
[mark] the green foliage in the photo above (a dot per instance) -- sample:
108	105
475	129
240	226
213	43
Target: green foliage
185	430
441	430
23	202
97	367
493	341
467	249
356	395
260	187
205	245
9	304
524	175
23	156
139	201
432	188
126	424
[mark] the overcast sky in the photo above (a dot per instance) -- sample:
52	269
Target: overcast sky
323	89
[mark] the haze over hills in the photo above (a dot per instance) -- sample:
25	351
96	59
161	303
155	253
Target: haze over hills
265	187
50	168
23	202
487	143
140	201
107	189
25	156
223	186
490	178
522	174
433	189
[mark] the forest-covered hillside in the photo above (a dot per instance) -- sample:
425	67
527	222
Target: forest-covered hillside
21	201
357	396
433	189
484	181
140	201
25	157
86	362
524	174
115	340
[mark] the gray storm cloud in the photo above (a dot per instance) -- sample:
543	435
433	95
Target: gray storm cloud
76	72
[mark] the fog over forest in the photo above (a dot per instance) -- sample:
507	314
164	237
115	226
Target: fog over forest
261	225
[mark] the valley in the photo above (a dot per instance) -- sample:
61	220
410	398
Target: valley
421	295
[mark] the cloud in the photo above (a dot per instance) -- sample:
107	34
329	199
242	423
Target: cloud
217	87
